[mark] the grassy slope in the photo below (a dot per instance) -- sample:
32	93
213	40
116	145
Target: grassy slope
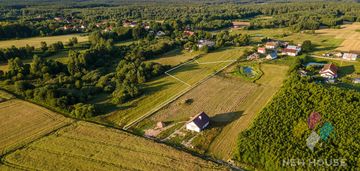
36	40
161	89
25	123
85	146
175	57
225	143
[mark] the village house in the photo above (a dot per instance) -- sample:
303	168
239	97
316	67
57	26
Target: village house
254	56
188	33
261	50
356	81
272	55
128	23
271	45
291	50
207	43
350	56
237	24
329	71
198	122
160	34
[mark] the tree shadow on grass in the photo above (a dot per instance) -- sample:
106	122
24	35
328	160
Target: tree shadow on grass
223	119
346	70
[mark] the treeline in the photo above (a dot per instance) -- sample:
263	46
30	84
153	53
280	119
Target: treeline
280	132
69	87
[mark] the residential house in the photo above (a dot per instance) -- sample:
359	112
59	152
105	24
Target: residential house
329	71
271	45
160	34
356	81
198	122
272	55
350	56
338	54
188	33
254	56
207	43
289	52
237	24
261	50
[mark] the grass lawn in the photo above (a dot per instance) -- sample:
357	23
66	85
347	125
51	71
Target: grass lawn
35	41
86	146
163	88
175	57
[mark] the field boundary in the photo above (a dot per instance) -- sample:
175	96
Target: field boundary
190	87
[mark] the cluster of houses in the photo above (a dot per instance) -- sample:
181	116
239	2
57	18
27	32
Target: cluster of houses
350	56
270	50
71	24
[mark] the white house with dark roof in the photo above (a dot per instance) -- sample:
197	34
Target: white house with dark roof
329	71
198	122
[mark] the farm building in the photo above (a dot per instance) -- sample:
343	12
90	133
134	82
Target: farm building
271	45
356	81
272	55
198	122
239	24
329	71
261	50
207	43
160	34
289	52
189	33
350	56
254	56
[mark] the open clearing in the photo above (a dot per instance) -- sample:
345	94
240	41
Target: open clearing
86	146
35	41
350	33
164	88
175	57
22	122
231	103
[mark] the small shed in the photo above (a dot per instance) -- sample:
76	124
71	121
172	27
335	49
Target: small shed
160	125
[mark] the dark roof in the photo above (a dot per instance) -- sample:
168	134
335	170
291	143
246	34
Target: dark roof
200	119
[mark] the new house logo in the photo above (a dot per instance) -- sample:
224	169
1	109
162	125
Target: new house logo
320	130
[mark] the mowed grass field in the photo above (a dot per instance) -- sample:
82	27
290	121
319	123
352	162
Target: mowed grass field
175	57
86	146
350	33
162	89
35	41
22	122
231	103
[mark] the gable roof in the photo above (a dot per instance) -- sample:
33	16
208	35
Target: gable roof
286	50
330	67
200	120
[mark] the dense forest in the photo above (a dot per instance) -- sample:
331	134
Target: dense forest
280	132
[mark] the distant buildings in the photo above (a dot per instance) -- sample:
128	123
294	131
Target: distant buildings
271	45
254	56
350	56
272	55
207	43
198	122
356	81
329	71
291	50
188	33
261	50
